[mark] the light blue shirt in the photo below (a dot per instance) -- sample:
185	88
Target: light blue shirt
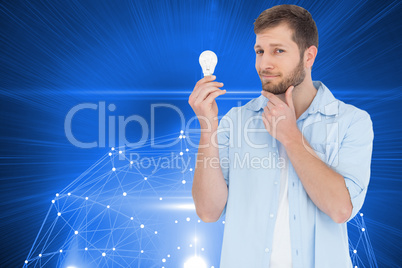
341	135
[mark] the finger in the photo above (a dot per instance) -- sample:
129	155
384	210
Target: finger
207	87
271	97
270	105
265	120
267	114
204	92
289	96
200	87
274	110
205	79
208	78
211	97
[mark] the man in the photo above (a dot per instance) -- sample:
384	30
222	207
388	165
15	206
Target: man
293	164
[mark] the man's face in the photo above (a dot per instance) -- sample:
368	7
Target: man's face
278	61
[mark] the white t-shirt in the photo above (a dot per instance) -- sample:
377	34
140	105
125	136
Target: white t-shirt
281	256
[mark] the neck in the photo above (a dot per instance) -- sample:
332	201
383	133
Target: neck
303	95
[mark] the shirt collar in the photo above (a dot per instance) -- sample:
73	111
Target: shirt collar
324	102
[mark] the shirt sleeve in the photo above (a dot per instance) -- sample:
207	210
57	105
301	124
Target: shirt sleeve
354	158
223	136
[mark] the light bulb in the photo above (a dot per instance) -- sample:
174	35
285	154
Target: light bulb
208	61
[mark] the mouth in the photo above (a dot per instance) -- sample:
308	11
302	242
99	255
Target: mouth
269	77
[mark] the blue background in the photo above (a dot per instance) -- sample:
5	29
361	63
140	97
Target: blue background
57	54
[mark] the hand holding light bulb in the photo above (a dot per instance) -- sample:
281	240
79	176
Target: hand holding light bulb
202	99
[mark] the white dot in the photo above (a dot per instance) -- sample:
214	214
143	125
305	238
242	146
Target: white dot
175	221
178	247
76	232
163	260
356	266
26	261
142	226
199	221
40	255
223	222
103	254
142	251
131	218
131	162
112	148
69	194
184	136
202	249
124	194
181	131
187	219
160	198
86	198
53	201
180	137
61	250
86	248
355	251
114	169
363	229
361	214
156	232
212	266
120	152
190	245
108	206
191	169
187	150
181	153
183	181
110	154
57	194
145	178
114	249
168	255
58	214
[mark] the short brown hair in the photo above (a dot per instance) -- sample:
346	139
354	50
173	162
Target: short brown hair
305	33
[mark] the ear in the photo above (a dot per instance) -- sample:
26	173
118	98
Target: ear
309	56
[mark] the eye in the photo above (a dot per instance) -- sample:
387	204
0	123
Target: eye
259	51
279	51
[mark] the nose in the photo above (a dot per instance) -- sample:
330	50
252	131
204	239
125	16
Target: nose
266	62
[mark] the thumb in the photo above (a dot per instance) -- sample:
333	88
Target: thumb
289	96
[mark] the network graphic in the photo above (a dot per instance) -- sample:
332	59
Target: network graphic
133	208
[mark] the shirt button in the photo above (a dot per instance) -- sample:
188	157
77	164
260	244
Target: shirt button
267	250
271	215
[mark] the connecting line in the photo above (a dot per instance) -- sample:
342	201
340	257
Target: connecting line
85	172
40	230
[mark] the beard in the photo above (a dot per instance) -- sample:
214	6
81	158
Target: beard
295	78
